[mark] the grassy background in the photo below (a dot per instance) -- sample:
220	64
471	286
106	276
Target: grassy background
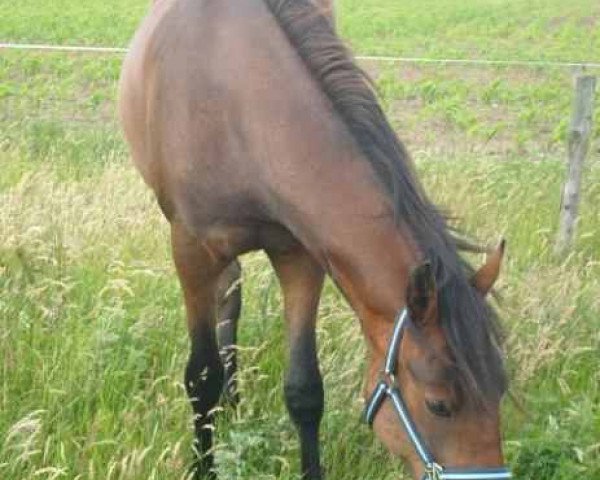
499	29
90	389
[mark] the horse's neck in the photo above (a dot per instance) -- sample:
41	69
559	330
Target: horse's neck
326	193
372	267
343	216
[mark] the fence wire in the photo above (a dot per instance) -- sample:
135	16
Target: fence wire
490	108
376	58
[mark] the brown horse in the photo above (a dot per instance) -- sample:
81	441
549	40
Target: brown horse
256	130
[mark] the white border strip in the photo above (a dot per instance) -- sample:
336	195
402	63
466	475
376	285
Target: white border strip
374	58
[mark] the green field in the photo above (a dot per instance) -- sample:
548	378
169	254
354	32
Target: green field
92	337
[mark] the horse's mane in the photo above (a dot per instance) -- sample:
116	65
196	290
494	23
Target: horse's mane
470	324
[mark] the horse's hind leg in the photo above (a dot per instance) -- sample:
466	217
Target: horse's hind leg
199	269
230	303
301	279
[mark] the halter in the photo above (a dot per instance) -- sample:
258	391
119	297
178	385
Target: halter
387	387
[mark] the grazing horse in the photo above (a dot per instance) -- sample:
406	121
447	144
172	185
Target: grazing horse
256	130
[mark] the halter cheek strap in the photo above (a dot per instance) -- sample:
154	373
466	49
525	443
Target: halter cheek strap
388	388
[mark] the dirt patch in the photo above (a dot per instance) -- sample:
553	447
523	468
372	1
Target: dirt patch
589	22
556	22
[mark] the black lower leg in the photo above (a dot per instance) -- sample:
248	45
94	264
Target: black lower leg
230	305
204	382
305	400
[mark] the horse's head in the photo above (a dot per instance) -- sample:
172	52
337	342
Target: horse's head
447	387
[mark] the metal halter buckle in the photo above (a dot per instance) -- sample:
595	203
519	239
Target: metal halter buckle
433	471
388	378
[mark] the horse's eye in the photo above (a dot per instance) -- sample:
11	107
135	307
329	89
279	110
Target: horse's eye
439	408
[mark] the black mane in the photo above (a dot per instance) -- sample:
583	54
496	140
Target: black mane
469	322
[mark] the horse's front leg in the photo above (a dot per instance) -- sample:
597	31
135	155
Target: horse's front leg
301	280
198	273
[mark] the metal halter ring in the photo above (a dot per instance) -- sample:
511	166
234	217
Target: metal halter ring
389	378
433	471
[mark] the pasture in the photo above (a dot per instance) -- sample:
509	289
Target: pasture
92	337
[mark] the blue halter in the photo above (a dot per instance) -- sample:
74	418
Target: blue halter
387	387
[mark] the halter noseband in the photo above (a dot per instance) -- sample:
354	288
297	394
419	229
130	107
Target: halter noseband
387	387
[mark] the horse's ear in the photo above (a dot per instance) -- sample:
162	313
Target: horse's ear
486	276
421	294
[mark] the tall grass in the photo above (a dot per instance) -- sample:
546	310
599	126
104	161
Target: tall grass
93	343
92	338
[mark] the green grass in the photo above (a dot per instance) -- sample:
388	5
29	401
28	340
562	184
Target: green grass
110	22
500	29
492	29
89	386
89	296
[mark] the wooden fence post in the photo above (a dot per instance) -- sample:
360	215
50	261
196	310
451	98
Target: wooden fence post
580	132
